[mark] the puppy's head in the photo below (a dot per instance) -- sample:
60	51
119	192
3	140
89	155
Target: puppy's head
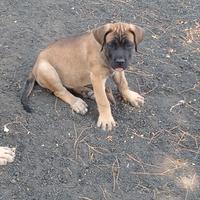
117	41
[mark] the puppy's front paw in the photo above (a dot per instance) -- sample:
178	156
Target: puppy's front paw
79	106
106	122
134	98
6	155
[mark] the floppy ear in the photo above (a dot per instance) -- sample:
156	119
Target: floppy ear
100	32
138	33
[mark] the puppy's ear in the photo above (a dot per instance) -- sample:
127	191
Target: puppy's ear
101	32
138	34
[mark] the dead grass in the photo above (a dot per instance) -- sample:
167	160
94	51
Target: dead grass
193	34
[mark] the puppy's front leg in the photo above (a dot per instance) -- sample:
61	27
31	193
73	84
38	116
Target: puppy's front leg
105	119
132	97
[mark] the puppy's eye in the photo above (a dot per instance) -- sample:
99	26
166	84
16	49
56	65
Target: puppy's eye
111	45
129	46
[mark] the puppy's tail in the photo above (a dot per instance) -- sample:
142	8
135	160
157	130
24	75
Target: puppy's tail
27	91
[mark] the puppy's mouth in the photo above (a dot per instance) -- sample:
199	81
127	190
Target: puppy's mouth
119	68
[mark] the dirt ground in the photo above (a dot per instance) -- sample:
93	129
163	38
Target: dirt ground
152	155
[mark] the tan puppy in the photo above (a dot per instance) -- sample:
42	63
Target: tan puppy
89	59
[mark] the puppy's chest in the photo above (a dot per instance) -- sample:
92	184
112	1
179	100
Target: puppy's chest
76	79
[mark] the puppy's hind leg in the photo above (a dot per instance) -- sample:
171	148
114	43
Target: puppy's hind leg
47	77
87	92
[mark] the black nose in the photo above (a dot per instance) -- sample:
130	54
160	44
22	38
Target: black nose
120	61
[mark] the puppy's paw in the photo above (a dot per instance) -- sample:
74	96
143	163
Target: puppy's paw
6	155
79	106
106	122
134	98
